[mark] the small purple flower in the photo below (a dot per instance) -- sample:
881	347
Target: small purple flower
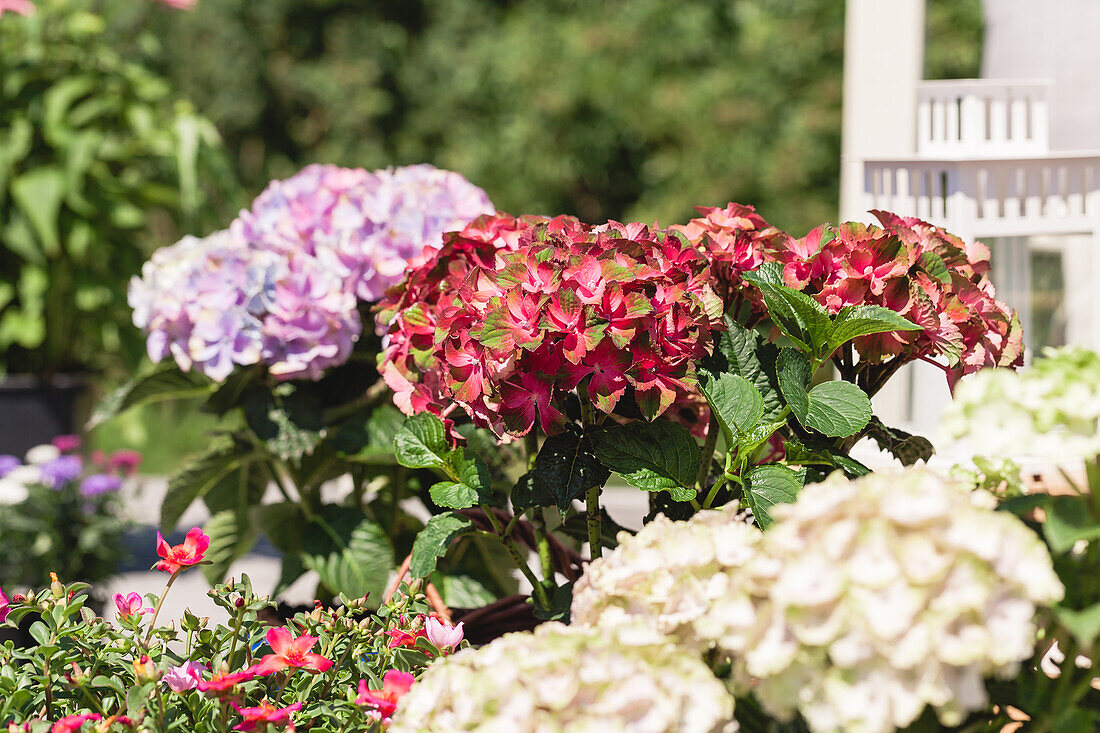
99	483
61	470
8	464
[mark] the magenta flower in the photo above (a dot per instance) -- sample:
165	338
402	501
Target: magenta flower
4	607
66	443
185	677
179	4
125	462
442	634
130	605
383	703
290	652
190	552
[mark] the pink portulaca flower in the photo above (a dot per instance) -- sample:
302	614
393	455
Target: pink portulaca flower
19	7
130	605
288	652
442	634
4	606
73	723
189	552
186	676
265	714
383	703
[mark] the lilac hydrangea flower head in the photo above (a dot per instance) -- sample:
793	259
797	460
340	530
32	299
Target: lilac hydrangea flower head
216	303
363	225
193	299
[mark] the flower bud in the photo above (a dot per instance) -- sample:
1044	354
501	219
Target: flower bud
145	670
238	602
56	588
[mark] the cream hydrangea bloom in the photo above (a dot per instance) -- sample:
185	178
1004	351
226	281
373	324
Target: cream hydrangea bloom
678	578
568	679
878	596
1049	410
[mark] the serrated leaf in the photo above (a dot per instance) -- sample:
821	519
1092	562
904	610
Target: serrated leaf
744	352
656	456
934	265
421	442
1083	624
232	536
282	524
771	484
794	373
1068	522
800	317
567	467
433	541
529	493
462	591
369	439
240	489
837	409
854	321
737	404
194	479
452	495
906	447
167	382
289	423
350	552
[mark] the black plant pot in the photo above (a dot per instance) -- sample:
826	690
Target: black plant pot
35	410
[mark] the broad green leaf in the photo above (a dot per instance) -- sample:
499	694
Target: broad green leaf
934	265
750	442
240	489
39	193
462	591
800	317
432	542
771	484
194	479
231	535
529	493
452	495
287	419
862	320
904	446
656	456
1068	522
422	442
850	466
350	552
1084	624
282	524
736	402
166	382
369	438
793	371
838	409
744	352
566	466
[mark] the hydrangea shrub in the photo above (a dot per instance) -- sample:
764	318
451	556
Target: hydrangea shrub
567	678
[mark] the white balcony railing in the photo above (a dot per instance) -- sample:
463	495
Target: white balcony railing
990	197
982	117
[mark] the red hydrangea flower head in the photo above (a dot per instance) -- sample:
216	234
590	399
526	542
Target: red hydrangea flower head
511	315
918	270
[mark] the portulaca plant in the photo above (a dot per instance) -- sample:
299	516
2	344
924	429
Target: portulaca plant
326	670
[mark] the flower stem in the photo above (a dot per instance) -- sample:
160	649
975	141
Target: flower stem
707	455
236	636
156	611
594	521
536	585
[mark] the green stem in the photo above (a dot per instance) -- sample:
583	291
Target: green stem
594	521
236	636
531	447
536	585
156	611
542	542
373	396
708	454
335	669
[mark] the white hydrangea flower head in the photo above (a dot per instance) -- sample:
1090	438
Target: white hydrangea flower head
568	679
876	597
678	578
1051	410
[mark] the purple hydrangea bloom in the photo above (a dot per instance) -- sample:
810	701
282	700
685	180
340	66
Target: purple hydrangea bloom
61	470
363	225
99	483
8	464
215	303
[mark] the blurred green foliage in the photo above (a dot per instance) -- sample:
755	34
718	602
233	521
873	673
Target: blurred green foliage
626	109
99	160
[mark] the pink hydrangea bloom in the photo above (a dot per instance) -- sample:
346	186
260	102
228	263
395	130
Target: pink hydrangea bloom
19	7
363	225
